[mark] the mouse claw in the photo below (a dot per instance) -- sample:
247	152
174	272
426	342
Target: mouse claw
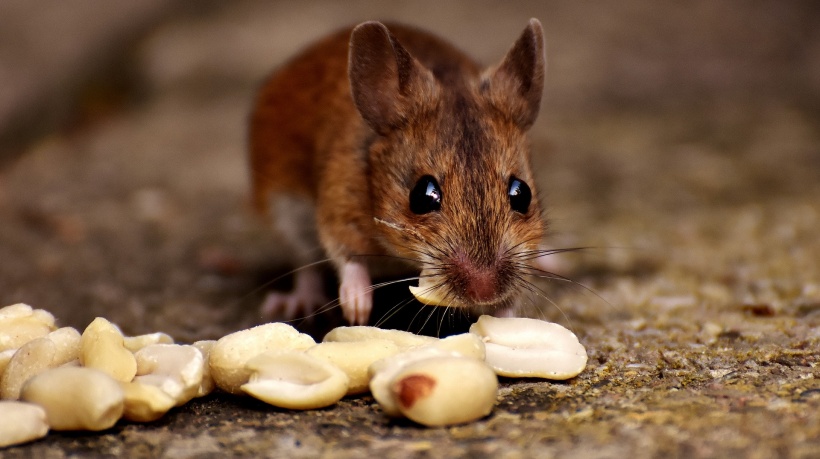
306	298
355	293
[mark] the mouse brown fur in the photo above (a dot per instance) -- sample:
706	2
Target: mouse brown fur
342	134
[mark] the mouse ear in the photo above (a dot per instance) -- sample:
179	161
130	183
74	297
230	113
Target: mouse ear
385	80
516	84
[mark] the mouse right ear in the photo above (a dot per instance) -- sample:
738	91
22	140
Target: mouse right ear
516	84
385	80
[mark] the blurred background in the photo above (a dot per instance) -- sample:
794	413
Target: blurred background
687	131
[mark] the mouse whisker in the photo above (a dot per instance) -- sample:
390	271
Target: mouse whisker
513	249
538	253
525	268
449	312
329	306
401	228
538	292
437	286
268	283
393	311
396	308
409	231
430	314
423	255
435	310
542	274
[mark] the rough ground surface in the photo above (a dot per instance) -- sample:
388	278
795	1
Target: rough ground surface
681	142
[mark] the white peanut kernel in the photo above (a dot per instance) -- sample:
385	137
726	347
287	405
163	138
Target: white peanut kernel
207	385
402	339
135	343
231	353
295	380
29	423
19	324
521	347
445	390
76	398
354	358
174	368
102	347
419	377
145	402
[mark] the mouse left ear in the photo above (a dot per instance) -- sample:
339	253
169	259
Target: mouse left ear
386	81
516	84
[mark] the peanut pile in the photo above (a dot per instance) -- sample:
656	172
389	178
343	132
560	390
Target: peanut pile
59	379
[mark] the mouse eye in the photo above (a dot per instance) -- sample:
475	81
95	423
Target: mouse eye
425	196
520	195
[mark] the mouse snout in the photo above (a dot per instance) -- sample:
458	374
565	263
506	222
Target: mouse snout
481	285
476	282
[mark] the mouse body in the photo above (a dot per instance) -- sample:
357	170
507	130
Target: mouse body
385	142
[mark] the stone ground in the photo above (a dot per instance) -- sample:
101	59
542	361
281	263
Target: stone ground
679	142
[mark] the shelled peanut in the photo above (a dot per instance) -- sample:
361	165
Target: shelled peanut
90	381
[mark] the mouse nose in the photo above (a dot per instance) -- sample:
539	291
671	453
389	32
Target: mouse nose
481	285
476	281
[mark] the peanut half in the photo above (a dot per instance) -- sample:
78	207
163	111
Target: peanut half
433	291
295	380
135	343
354	358
402	339
30	360
19	324
102	347
383	372
145	402
444	390
207	385
22	423
57	348
5	359
174	368
521	347
465	344
76	398
231	353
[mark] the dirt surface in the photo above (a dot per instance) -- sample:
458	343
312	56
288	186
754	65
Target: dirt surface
679	144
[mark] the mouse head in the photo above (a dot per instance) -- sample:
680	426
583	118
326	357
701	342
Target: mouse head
450	174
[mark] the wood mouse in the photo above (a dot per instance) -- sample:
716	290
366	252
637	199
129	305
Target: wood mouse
388	143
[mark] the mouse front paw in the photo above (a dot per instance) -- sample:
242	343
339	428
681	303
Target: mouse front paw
355	293
306	298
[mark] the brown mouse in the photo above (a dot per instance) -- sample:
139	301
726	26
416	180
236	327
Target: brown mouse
388	143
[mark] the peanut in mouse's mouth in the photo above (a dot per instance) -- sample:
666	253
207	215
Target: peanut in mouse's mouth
436	290
432	291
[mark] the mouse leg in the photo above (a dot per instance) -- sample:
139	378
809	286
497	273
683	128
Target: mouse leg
294	220
306	297
355	293
345	225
